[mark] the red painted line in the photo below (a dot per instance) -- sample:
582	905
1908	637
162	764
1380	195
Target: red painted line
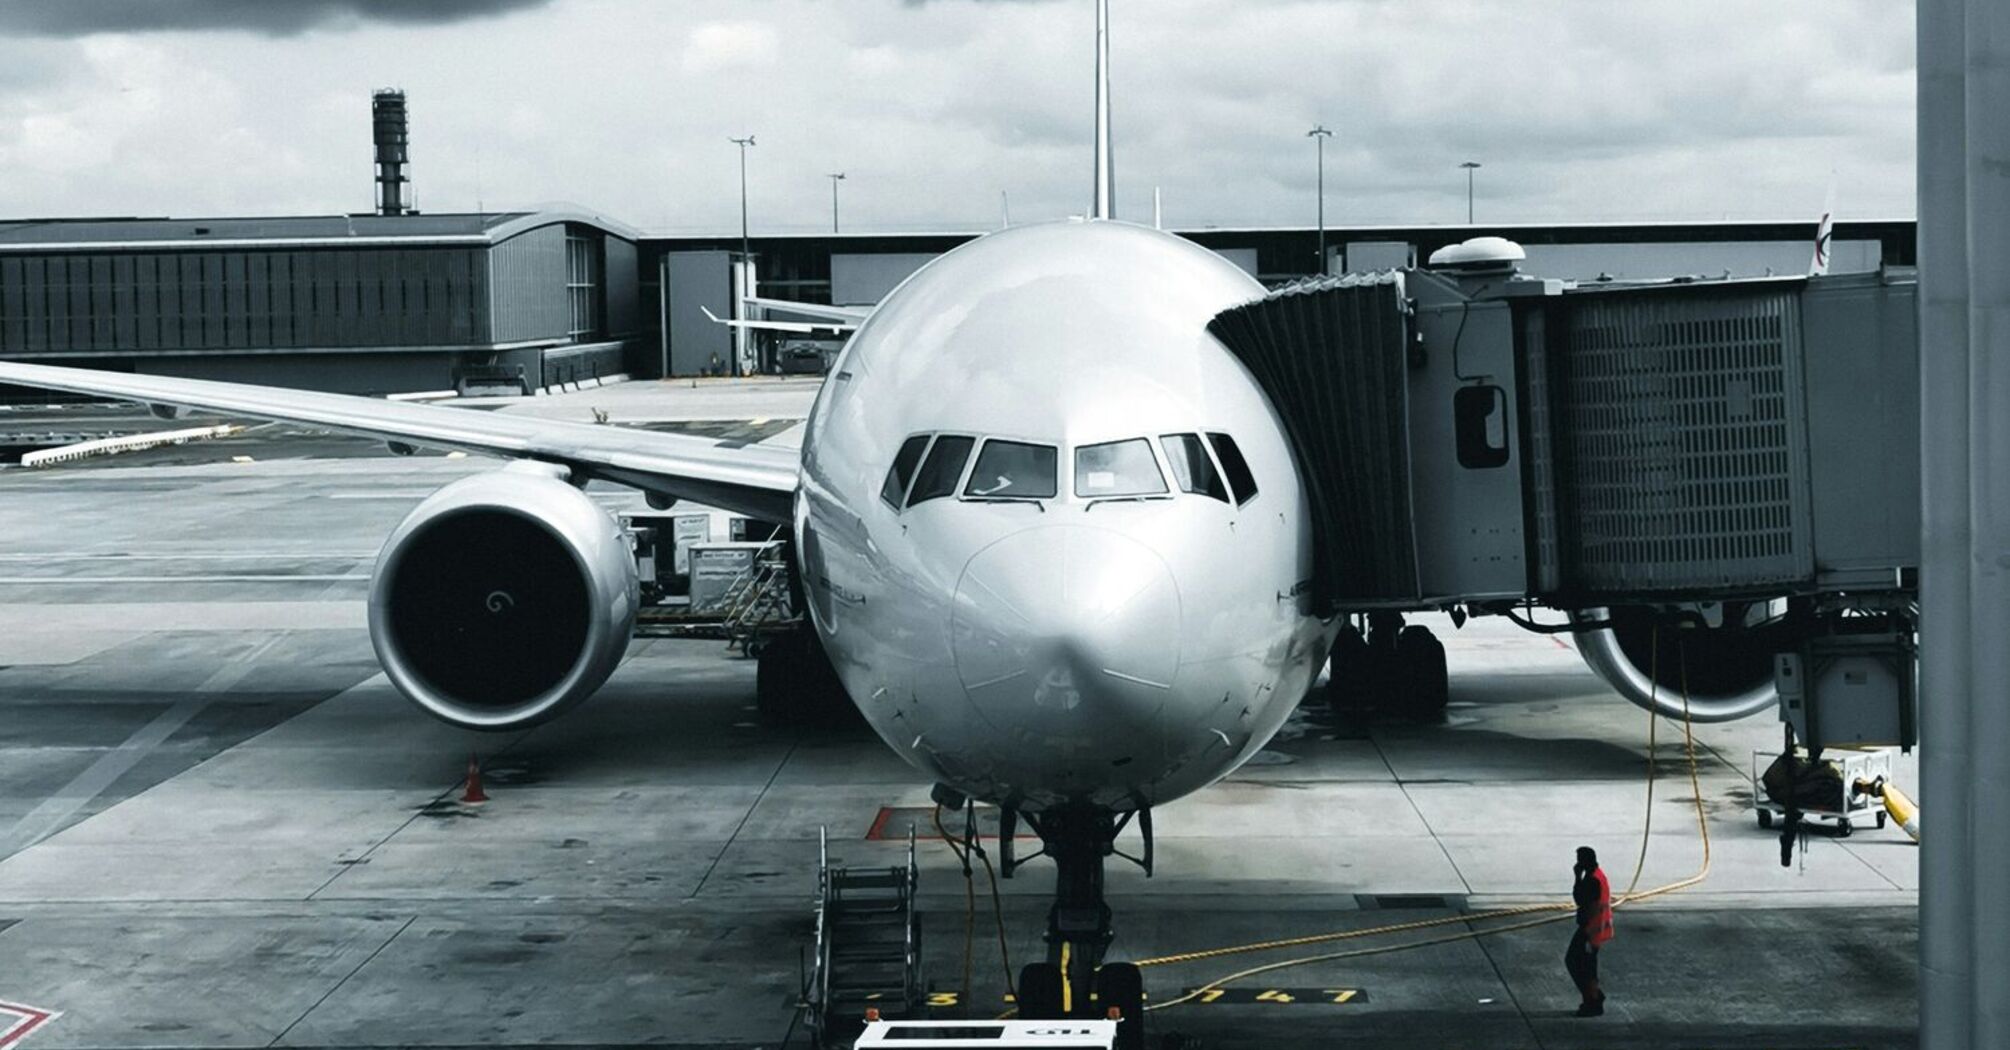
31	1018
877	832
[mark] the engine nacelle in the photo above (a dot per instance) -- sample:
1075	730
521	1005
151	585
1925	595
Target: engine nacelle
1727	672
503	599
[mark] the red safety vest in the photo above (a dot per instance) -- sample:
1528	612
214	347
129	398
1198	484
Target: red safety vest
1599	929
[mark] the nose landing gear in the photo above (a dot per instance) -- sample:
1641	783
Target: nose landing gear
1074	981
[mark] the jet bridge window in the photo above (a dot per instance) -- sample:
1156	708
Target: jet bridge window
902	471
1192	470
1240	480
1118	469
1014	470
942	469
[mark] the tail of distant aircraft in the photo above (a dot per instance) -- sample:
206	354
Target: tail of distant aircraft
1824	230
1104	205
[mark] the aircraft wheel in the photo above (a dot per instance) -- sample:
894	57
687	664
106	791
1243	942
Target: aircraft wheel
1765	820
795	686
776	674
1040	992
1122	985
1425	682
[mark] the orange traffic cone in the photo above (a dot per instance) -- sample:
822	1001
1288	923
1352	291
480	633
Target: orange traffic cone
474	792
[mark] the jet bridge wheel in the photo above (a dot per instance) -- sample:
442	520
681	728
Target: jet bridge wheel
795	685
1426	683
1393	670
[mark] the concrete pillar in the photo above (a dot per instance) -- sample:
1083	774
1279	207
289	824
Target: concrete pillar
1988	826
1945	944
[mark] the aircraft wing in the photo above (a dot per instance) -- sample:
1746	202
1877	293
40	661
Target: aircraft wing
850	315
756	480
795	327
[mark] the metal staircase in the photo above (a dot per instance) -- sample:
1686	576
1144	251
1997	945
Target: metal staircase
868	947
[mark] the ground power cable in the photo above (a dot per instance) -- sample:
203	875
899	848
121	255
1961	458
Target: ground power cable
1556	912
970	907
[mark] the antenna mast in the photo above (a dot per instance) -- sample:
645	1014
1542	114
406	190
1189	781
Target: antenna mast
1105	204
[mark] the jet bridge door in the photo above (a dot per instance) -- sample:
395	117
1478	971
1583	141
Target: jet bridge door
1331	357
1408	453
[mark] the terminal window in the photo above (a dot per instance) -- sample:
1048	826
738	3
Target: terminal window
582	284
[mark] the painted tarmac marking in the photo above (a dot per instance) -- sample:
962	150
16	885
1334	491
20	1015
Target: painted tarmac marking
21	1020
275	577
1280	996
42	821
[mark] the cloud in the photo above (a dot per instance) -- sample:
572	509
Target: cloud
720	46
65	18
1580	110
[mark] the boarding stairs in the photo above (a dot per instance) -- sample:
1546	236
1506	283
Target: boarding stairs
758	601
868	947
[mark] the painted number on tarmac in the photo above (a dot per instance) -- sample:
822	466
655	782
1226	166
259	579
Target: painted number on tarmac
1280	996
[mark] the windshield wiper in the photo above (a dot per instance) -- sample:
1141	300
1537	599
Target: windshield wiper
1154	498
1007	499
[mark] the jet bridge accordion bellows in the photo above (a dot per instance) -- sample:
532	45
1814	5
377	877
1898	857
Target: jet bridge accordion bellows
1680	422
1330	353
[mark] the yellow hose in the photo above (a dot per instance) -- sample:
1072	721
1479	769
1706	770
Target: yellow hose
1561	911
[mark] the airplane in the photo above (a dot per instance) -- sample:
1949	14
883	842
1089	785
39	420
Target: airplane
1051	534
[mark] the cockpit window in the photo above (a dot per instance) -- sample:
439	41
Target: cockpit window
902	471
939	473
1116	469
1192	470
1014	470
1240	480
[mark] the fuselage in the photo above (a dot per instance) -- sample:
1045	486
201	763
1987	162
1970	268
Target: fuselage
1051	531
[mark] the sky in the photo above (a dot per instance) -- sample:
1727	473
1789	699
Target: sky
941	111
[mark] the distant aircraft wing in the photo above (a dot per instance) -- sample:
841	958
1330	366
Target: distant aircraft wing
851	315
755	480
792	327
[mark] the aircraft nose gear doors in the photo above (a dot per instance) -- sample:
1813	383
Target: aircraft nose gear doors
1074	982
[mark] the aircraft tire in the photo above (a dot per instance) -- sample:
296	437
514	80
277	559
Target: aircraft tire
796	686
1425	683
1040	992
1122	985
775	674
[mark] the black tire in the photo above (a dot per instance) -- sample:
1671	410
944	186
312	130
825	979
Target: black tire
1347	685
777	674
1040	992
1425	682
796	687
1844	828
1765	820
1122	985
1881	821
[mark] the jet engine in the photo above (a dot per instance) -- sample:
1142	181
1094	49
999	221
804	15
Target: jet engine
503	599
1726	670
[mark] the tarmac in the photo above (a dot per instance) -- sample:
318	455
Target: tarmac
221	827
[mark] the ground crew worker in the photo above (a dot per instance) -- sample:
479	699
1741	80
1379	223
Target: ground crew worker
1594	927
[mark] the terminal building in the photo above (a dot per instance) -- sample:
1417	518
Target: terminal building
684	277
400	302
365	304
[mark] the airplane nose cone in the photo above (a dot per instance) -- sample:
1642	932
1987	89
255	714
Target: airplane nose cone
1064	630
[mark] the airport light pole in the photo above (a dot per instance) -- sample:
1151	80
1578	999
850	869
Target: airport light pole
1319	134
1470	166
835	177
745	254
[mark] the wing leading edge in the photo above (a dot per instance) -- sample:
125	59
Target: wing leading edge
755	480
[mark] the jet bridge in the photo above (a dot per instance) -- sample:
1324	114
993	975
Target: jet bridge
1738	455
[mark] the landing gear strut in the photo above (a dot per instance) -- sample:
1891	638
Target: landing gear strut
1074	982
1390	669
